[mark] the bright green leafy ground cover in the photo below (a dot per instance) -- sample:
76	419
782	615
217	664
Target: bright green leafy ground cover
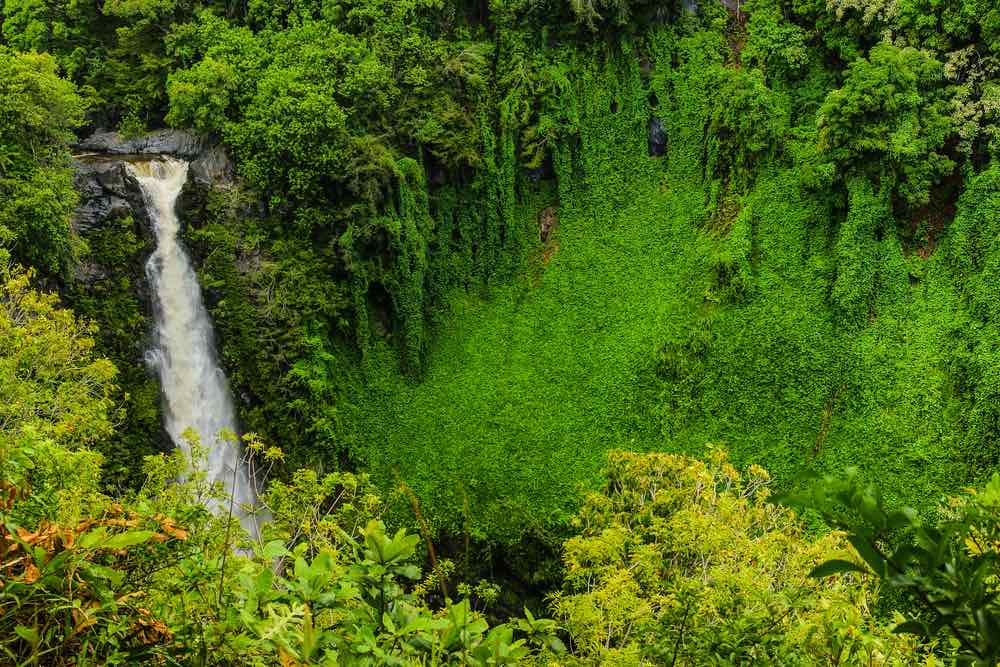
526	390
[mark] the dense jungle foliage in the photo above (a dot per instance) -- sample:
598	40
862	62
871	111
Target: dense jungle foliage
490	277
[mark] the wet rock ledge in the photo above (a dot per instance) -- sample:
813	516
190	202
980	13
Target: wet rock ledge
108	192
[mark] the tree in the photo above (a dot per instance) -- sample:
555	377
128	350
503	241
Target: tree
201	95
56	398
949	25
890	122
775	45
38	113
619	14
685	562
747	124
53	386
948	569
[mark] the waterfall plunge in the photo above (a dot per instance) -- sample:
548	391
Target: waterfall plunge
194	387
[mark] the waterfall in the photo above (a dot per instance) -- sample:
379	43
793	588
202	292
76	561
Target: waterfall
196	393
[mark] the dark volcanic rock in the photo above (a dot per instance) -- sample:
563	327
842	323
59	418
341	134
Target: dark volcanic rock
657	137
171	142
106	193
212	168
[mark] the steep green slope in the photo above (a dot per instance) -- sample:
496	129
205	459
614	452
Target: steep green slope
621	344
525	391
784	379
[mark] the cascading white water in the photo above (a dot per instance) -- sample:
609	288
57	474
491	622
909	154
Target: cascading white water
194	387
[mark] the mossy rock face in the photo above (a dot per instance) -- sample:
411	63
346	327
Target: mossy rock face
110	287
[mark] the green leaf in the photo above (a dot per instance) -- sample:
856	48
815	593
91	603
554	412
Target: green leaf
836	566
56	564
871	510
29	635
100	571
274	549
264	582
906	553
129	539
868	553
903	518
911	627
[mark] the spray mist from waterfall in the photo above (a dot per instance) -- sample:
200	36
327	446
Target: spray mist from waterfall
195	390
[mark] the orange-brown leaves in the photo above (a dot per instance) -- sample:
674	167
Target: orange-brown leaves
19	551
148	630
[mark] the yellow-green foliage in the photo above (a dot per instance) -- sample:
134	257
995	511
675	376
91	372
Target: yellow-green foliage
322	512
52	386
56	397
687	562
153	579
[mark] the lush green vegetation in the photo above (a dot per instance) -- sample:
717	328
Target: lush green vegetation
150	576
494	273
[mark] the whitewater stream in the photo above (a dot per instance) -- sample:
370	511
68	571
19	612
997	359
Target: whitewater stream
196	393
